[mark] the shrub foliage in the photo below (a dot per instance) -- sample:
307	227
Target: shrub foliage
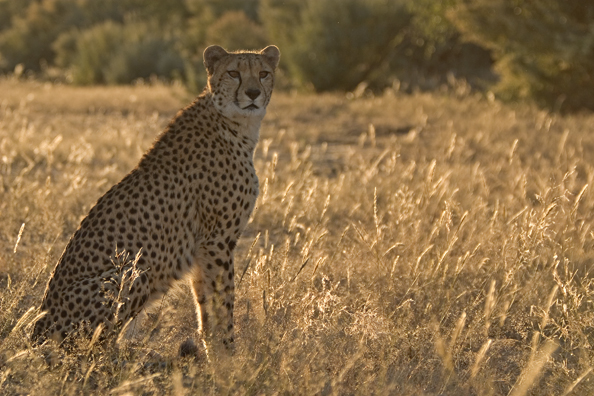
542	51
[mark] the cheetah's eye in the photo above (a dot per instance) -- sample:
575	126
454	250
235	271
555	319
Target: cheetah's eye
264	74
233	73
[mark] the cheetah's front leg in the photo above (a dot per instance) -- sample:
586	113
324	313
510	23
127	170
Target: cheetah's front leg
214	290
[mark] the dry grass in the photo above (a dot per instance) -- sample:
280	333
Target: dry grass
429	244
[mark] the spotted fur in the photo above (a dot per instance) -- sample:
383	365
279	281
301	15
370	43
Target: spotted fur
178	214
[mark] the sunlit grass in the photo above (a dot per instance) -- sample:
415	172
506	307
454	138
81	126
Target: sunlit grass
426	244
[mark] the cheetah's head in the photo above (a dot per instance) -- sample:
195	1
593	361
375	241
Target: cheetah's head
241	82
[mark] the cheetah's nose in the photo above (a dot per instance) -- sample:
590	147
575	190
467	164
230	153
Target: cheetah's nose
252	93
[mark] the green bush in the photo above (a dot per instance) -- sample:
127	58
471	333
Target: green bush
113	53
541	50
35	25
336	44
86	54
8	9
40	32
216	8
151	56
544	50
235	31
28	39
434	47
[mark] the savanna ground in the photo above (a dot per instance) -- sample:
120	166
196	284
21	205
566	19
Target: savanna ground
425	244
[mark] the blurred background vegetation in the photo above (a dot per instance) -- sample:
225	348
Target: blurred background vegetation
518	49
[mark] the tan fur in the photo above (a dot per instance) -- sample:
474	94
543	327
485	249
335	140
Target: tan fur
179	213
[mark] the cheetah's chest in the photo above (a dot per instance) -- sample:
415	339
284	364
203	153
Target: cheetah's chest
226	195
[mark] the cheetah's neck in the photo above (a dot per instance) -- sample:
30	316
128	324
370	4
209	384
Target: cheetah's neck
246	127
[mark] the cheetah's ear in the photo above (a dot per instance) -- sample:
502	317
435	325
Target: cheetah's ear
212	55
272	55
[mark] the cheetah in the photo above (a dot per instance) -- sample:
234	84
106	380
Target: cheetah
178	214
